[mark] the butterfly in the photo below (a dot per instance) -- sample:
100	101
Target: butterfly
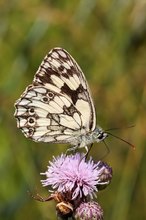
57	107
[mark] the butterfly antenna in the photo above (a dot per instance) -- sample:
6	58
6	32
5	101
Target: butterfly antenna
131	126
121	140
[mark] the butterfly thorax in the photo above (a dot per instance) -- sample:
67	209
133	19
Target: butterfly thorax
86	139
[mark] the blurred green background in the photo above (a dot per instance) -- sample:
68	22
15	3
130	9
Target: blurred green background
108	40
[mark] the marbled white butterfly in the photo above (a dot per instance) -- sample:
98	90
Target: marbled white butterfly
57	107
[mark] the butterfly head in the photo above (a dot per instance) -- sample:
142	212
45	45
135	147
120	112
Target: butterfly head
99	134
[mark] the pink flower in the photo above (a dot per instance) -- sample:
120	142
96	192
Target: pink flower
72	173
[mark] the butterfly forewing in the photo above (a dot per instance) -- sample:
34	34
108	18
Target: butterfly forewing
60	72
57	106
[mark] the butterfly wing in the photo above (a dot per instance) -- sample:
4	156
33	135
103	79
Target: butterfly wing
57	106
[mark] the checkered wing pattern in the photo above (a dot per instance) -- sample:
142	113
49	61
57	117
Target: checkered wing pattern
57	107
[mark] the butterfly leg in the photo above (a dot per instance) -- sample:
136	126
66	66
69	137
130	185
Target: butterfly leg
72	149
88	150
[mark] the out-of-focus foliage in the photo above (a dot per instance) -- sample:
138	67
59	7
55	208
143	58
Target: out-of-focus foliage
108	40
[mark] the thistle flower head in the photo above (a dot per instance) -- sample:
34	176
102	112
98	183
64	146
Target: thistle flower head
74	174
89	210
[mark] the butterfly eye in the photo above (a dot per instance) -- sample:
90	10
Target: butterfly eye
31	121
31	111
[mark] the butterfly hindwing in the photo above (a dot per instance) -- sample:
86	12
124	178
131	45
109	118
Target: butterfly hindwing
57	106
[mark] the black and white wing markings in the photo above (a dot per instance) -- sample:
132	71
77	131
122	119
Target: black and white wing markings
60	73
47	116
57	107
